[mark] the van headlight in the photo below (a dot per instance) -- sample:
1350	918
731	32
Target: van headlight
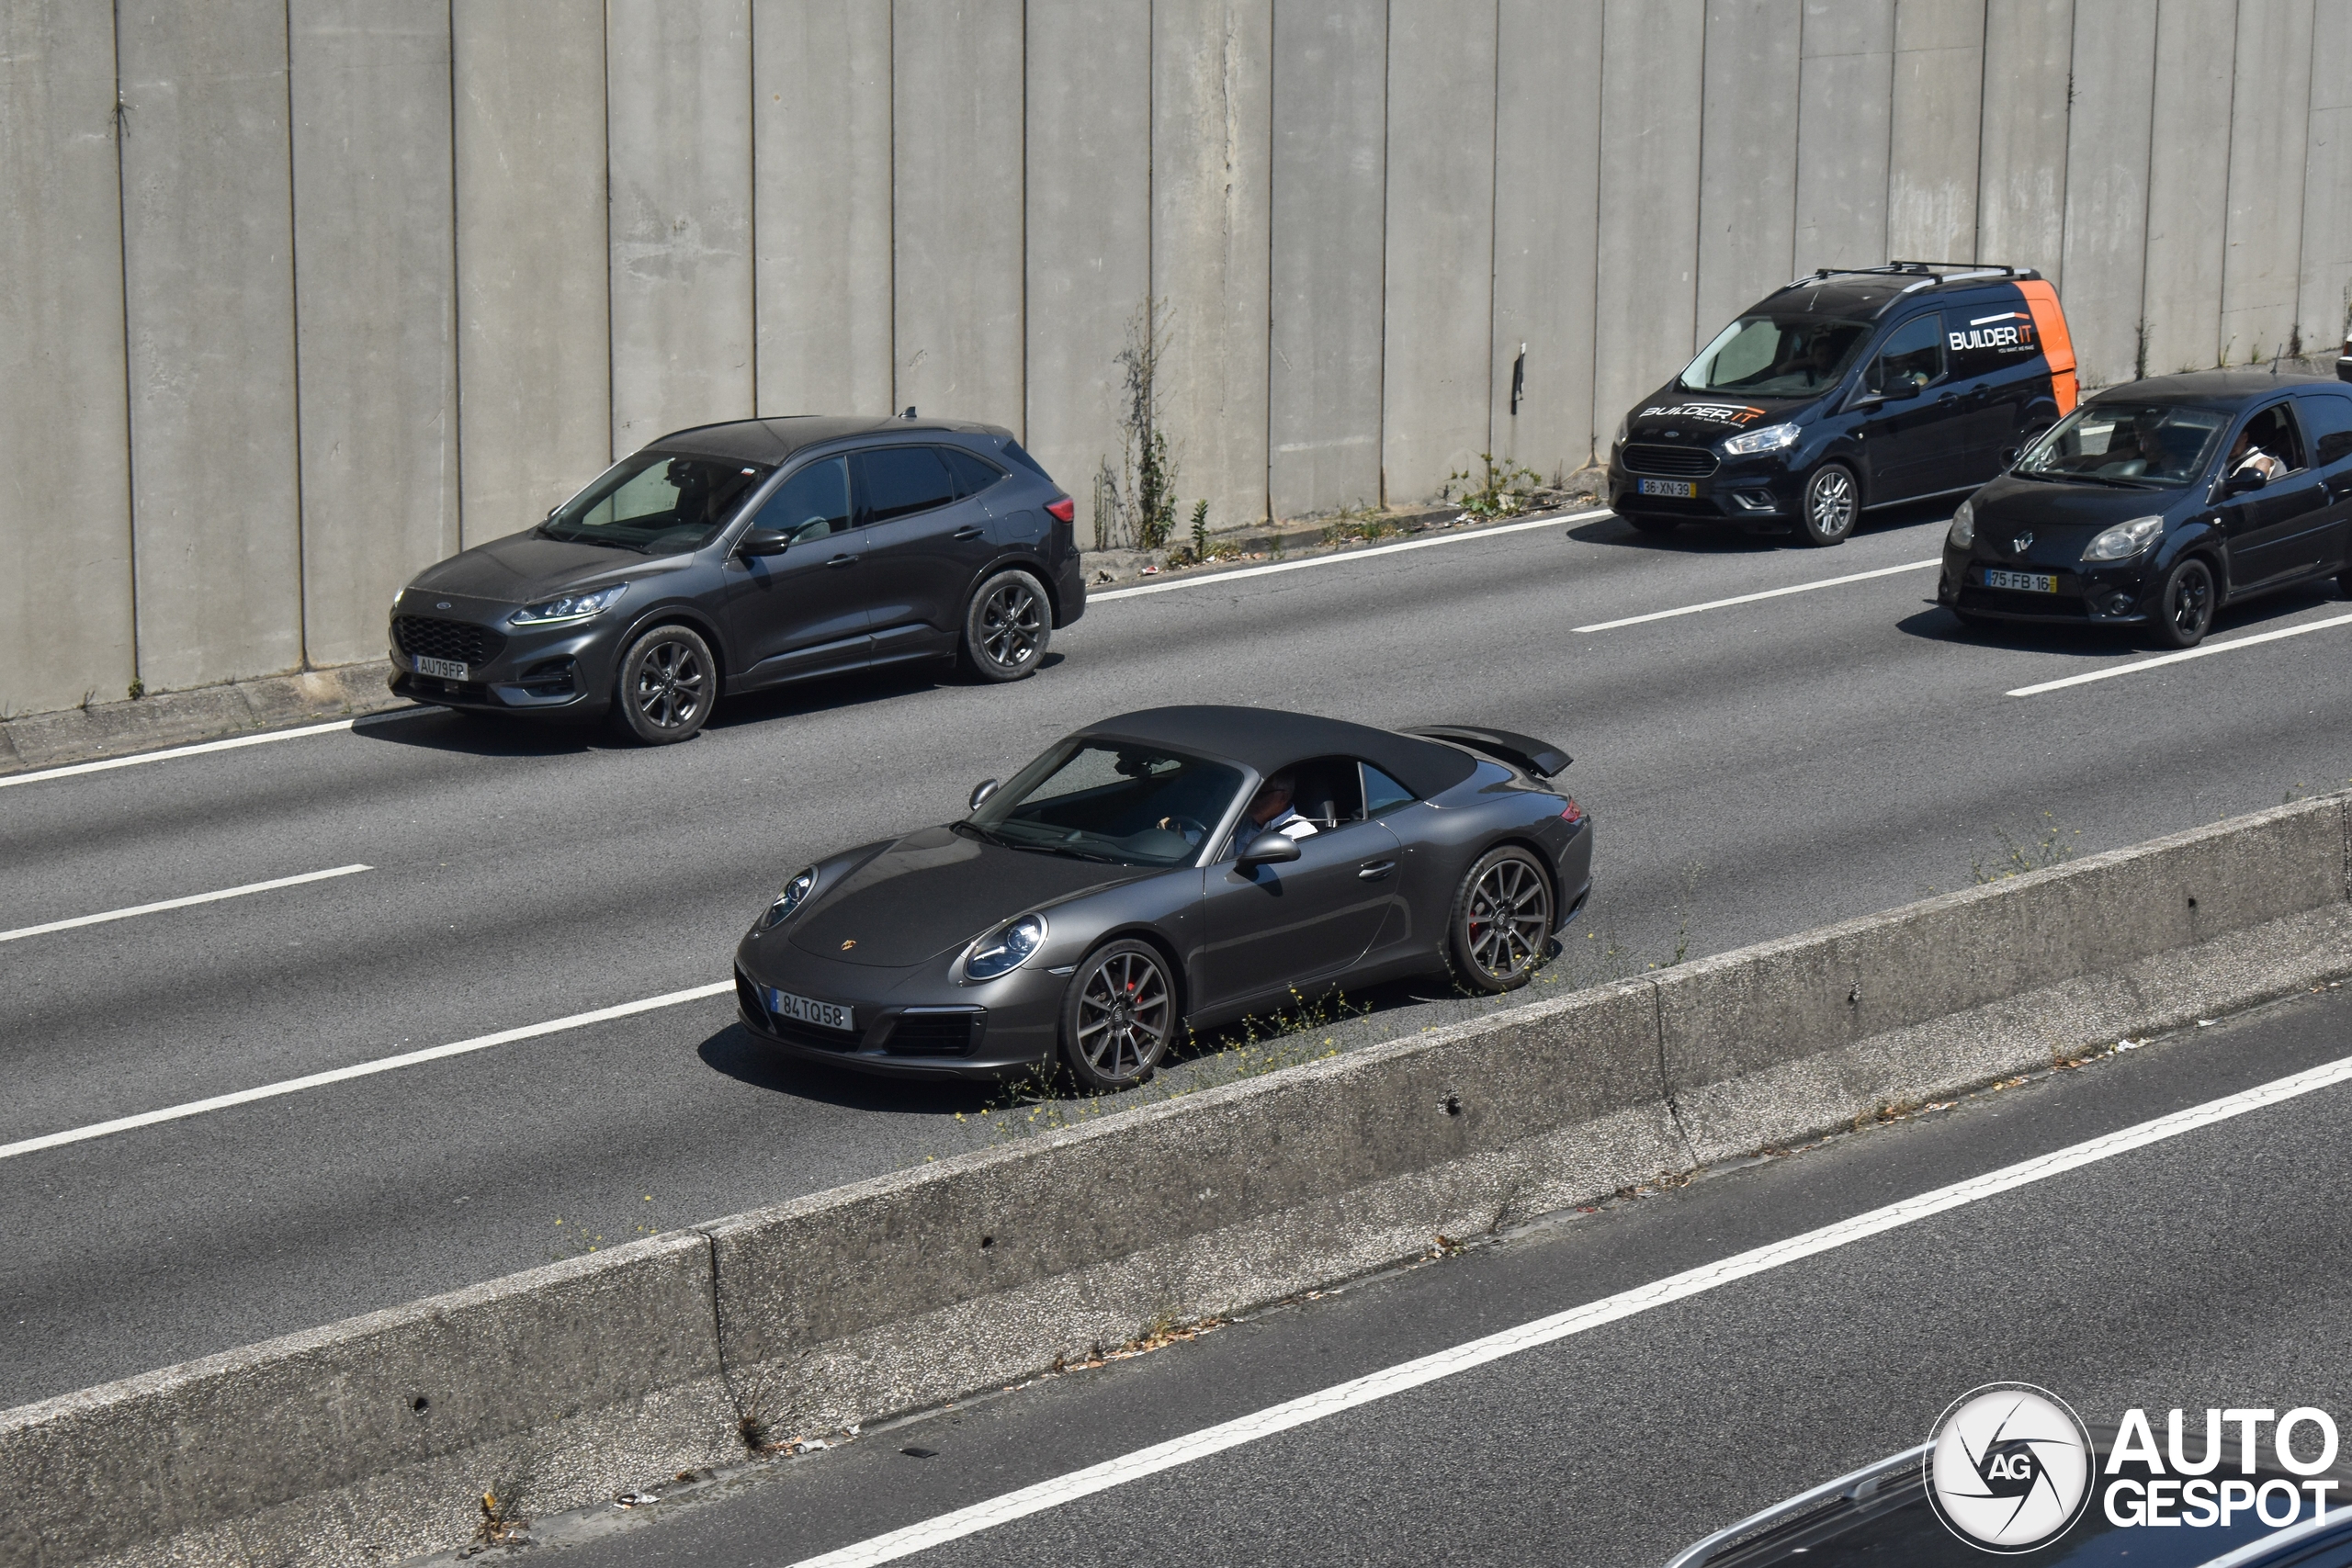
1963	526
796	893
570	607
1771	438
1005	949
1625	428
2125	539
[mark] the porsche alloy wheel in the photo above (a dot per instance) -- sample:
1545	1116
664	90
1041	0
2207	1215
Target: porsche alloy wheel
1502	921
1119	1016
1832	503
666	686
1006	626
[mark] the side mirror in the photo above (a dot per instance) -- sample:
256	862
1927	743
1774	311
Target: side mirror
763	542
2244	480
2009	456
981	791
1270	848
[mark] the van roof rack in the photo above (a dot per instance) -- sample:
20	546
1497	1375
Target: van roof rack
1926	272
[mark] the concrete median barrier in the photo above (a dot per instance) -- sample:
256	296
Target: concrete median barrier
376	1438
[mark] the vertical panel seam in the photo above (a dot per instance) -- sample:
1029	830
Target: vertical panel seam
612	354
129	437
752	196
2229	162
1274	169
1380	379
2147	192
454	423
1699	192
294	298
1592	314
891	76
1494	223
1983	86
1023	211
1886	186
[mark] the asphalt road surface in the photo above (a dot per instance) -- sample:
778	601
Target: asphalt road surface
1754	769
2200	1271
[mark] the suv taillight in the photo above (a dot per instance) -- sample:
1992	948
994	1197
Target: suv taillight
1062	509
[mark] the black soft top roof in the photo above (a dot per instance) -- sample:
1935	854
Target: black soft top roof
776	438
2213	389
1264	740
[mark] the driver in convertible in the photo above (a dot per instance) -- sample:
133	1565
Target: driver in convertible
1269	812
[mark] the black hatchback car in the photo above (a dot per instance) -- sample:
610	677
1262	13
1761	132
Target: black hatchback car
1848	391
2156	504
734	556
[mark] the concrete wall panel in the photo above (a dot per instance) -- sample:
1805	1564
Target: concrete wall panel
1747	178
1547	194
534	313
958	208
1439	331
2021	161
2325	314
1846	91
1212	170
1645	298
679	97
2269	134
820	116
374	308
66	489
2189	164
208	281
1939	94
2106	187
1089	185
1329	182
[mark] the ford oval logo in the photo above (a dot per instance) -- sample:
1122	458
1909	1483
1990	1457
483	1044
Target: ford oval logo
442	605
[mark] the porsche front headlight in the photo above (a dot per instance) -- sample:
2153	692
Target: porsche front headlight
796	893
2125	539
1006	948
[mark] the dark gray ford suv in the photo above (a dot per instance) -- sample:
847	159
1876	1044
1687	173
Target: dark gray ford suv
733	557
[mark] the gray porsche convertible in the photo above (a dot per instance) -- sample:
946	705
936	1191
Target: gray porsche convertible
1180	867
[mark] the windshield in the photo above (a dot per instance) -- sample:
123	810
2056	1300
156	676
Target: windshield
1102	800
656	503
2140	445
1777	356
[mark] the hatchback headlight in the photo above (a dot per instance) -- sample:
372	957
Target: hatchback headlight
570	607
1006	948
1771	438
1963	526
796	893
2125	539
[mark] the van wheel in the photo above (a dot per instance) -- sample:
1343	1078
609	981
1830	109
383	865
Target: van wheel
1006	626
1833	502
666	685
2185	605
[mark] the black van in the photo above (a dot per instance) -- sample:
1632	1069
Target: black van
1845	390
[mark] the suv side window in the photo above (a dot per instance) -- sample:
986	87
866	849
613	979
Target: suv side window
811	503
1913	356
973	474
895	481
2273	431
2329	413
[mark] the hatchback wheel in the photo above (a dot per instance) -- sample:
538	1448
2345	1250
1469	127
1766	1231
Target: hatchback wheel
1501	921
2185	605
666	685
1006	626
1833	502
1118	1015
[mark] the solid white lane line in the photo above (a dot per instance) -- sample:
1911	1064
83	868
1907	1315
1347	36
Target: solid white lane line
1343	557
357	1070
1752	598
181	903
1476	1353
2201	651
231	744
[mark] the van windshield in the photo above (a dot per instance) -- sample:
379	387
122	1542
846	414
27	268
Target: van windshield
1777	356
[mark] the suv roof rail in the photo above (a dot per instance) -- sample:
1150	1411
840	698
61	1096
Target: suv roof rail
1926	271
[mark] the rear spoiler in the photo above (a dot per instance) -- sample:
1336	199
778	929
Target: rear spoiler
1521	751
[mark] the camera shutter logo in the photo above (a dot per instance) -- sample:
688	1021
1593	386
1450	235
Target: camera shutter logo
2009	1468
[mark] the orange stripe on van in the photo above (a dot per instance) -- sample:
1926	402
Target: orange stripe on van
2049	326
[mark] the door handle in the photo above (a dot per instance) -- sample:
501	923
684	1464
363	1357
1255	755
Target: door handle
1373	869
842	560
966	532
